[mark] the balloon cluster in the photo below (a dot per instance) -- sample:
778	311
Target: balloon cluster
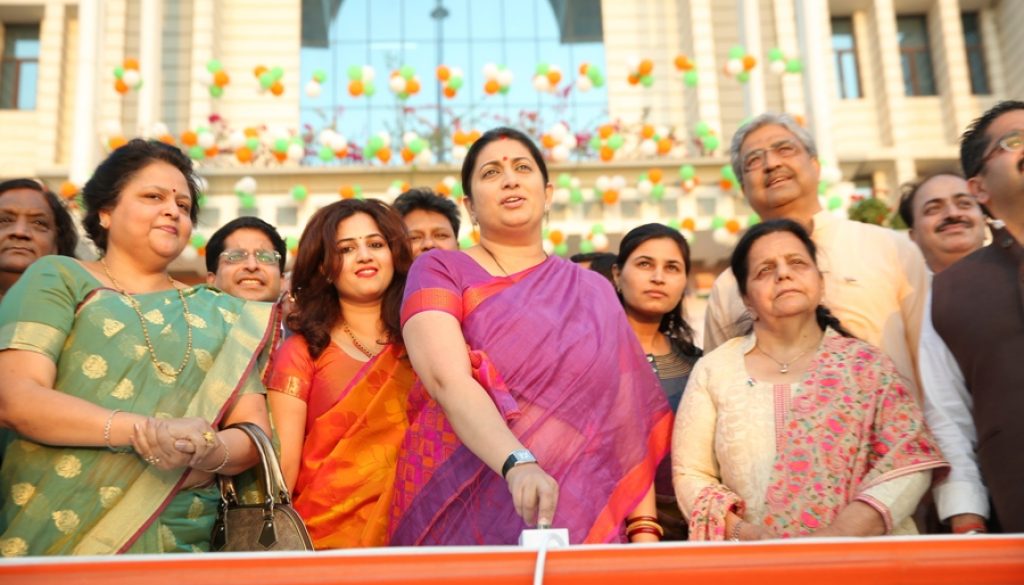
115	137
609	188
567	190
215	78
687	227
654	141
740	63
162	133
689	70
404	82
688	178
127	76
245	189
498	79
590	77
245	143
199	143
450	187
287	147
332	145
778	63
595	241
640	71
314	87
606	141
650	185
270	79
397	187
360	81
350	192
451	79
729	181
415	148
547	77
559	141
379	147
707	138
461	142
554	242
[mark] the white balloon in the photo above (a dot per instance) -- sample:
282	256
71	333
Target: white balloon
584	84
397	84
313	88
831	174
236	139
689	184
687	235
570	141
645	187
505	77
112	128
409	137
491	71
449	181
618	182
202	184
368	74
160	129
541	83
559	132
206	140
338	142
459	152
385	137
648	147
203	76
603	183
394	191
778	67
734	66
600	242
189	254
455	72
325	136
549	247
575	183
724	237
296	152
131	78
246	184
632	63
425	157
560	153
561	196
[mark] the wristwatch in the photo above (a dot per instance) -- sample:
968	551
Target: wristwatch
517	457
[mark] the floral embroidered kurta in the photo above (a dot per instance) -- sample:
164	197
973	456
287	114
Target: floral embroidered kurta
790	457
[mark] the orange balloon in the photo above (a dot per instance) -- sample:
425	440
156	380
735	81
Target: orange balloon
605	131
212	151
442	189
664	145
412	86
475	235
443	73
243	154
646	66
554	77
384	155
607	153
654	175
201	250
116	142
347	192
166	139
131	63
610	197
407	155
280	156
251	132
733	226
120	86
355	88
277	88
68	189
689	224
584	68
341	153
647	131
460	138
492	86
683	63
725	185
548	141
474	135
220	78
259	70
449	92
633	79
749	61
189	138
556	237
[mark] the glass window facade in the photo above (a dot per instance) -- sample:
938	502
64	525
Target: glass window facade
845	50
520	35
915	55
19	67
975	53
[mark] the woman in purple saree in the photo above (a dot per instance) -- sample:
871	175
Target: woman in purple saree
553	403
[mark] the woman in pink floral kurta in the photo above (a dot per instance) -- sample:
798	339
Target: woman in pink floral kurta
796	429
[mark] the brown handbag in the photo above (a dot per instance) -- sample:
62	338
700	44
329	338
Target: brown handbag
272	525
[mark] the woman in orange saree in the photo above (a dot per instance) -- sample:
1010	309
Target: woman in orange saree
338	387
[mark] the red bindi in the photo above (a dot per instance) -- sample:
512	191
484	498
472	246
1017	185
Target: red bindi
504	158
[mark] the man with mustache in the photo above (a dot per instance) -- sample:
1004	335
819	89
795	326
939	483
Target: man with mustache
875	278
431	220
974	397
245	258
945	220
33	224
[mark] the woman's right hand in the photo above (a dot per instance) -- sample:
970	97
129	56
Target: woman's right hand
534	494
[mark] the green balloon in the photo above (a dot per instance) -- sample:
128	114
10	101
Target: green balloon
466	242
598	80
594	73
728	173
266	80
277	73
375	143
615	141
202	199
702	129
417	145
564	180
543	68
794	65
216	91
647	80
198	240
690	78
743	76
503	90
403	96
291	242
835	202
197	152
367	153
455	83
325	153
118	72
736	52
457	191
300	192
586	246
658	192
753	219
355	72
775	54
214	65
576	196
320	75
674	224
407	71
717	222
369	89
297	140
252	143
247	201
597	228
687	172
711	143
595	142
358	190
281	145
562	249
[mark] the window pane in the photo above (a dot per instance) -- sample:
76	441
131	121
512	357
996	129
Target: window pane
21	41
8	74
915	56
972	33
912	32
842	33
844	49
27	76
975	53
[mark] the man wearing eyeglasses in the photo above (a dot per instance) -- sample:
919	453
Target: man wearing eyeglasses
977	319
245	258
875	278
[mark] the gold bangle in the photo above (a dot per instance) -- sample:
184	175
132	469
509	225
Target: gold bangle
106	433
227	456
734	536
648	524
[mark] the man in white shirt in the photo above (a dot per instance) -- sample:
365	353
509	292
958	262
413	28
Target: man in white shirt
945	220
875	278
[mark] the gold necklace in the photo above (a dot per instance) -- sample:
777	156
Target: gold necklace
134	304
784	366
491	254
356	342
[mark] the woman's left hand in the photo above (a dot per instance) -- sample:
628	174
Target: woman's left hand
173	443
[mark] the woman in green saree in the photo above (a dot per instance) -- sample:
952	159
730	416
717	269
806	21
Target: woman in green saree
116	378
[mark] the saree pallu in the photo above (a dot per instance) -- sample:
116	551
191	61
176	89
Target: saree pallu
347	468
68	500
552	348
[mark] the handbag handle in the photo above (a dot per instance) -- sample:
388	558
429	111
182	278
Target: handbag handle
269	470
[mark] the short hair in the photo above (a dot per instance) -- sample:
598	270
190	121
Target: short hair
768	119
422	198
67	233
215	246
490	136
974	142
103	190
909	190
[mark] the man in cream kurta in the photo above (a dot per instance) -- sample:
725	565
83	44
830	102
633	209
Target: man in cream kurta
875	278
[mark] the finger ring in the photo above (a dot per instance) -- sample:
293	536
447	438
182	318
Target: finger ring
209	437
152	460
